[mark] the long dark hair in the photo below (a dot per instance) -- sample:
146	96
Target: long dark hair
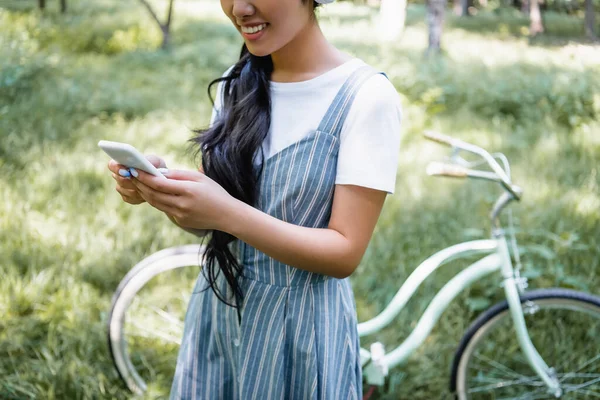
228	149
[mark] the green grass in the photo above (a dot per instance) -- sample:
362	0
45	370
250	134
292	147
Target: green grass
66	238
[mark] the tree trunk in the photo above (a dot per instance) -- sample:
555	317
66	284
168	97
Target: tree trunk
435	22
42	4
164	28
461	8
166	37
392	14
525	7
590	19
536	26
63	6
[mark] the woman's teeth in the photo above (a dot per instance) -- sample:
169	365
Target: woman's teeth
253	29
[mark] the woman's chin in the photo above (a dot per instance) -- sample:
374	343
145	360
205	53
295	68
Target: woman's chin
258	51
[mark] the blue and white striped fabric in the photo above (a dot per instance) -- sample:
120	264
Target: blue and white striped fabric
298	336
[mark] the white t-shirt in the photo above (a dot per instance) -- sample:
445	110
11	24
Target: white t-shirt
370	136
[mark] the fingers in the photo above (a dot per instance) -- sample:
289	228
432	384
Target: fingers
165	202
184	175
124	182
130	196
152	195
166	186
141	193
124	186
114	166
156	161
120	172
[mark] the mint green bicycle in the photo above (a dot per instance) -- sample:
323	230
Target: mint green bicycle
537	344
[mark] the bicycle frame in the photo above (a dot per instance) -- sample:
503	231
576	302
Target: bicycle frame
497	260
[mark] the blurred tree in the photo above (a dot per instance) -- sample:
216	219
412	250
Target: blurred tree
461	7
435	22
164	28
63	5
590	19
535	16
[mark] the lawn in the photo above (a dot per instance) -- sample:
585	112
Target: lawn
67	239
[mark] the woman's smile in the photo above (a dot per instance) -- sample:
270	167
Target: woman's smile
253	32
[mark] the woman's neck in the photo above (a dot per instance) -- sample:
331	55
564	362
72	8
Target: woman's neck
307	56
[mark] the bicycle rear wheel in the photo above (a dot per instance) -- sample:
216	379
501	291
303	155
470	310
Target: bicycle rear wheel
564	326
145	323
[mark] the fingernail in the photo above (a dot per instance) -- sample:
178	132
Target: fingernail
134	172
124	173
163	171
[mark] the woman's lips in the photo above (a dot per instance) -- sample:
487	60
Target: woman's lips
251	33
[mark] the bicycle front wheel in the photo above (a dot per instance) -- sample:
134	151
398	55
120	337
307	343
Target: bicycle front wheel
145	323
564	326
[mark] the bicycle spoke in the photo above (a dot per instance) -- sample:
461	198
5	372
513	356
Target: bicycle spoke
168	317
587	363
154	333
584	385
505	384
149	318
564	332
529	396
568	362
499	366
589	392
580	375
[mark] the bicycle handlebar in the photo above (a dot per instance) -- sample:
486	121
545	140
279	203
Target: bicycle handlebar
443	169
458	171
440	138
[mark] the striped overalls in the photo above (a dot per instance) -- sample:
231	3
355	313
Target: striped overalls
297	338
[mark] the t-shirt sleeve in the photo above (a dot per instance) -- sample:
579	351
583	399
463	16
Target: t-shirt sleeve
370	137
219	98
218	103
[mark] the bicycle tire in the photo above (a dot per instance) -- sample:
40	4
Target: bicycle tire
490	320
141	273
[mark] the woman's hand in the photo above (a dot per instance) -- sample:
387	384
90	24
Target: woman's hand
190	198
125	187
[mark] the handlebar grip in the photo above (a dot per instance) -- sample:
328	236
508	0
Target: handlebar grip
438	137
443	169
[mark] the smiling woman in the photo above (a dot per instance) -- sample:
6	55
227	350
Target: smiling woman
276	22
251	32
300	154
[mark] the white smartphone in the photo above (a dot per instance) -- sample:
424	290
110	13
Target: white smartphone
129	156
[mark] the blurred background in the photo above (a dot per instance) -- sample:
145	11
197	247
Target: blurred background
517	76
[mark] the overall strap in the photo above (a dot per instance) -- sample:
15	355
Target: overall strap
336	114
